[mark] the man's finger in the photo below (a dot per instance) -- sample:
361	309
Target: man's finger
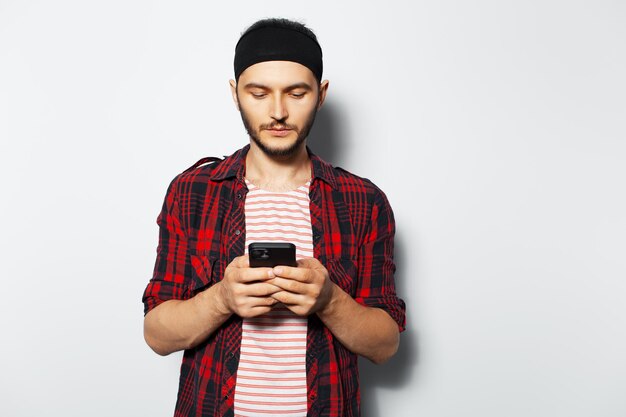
254	274
310	263
289	272
241	261
289	285
288	298
261	289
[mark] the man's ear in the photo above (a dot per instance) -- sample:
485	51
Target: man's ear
233	92
322	93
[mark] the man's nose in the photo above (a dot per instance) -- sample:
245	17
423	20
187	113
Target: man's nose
278	111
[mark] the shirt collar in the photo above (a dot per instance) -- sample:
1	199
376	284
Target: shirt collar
235	166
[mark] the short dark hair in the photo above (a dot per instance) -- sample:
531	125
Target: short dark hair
283	23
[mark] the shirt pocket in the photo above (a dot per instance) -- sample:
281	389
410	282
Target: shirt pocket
343	272
202	273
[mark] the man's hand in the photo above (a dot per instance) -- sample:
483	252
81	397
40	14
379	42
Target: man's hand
305	289
246	291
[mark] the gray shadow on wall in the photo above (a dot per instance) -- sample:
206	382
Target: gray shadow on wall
330	139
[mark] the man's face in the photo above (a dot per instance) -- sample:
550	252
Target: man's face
278	101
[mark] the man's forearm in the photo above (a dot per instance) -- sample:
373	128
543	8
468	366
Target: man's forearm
366	331
176	324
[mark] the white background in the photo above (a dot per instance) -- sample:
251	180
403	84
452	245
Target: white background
495	128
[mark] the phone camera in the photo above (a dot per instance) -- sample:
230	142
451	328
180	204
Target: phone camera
260	254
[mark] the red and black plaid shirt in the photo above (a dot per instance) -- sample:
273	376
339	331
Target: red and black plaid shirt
202	229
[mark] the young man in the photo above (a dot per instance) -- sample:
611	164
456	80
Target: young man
283	340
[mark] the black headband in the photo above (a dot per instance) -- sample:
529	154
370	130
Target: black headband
270	43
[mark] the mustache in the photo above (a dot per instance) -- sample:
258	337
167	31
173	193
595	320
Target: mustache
275	125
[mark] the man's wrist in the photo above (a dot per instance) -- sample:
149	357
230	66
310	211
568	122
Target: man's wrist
334	298
212	299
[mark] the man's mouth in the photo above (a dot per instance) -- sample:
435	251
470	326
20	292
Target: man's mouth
279	130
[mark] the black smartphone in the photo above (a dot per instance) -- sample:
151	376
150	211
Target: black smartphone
271	254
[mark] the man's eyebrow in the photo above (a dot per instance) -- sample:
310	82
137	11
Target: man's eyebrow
255	85
302	85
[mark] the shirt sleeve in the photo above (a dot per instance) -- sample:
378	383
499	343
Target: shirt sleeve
172	261
376	265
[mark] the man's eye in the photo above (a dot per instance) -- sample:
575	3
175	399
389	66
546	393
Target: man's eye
258	95
297	95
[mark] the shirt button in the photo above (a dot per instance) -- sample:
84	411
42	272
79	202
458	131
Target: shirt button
239	196
237	232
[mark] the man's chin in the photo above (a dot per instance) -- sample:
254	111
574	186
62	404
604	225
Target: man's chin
278	147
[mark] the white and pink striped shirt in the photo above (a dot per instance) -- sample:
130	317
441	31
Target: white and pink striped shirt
271	378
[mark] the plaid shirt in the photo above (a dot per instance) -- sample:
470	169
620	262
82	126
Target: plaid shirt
202	229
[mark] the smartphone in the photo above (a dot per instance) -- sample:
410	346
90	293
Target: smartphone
271	254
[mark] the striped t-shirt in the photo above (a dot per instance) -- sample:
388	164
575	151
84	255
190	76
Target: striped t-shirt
271	378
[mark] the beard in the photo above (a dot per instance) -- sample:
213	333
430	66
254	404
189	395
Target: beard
274	151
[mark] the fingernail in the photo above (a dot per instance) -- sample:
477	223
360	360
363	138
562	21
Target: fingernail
270	273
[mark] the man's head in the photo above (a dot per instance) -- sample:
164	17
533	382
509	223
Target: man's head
278	68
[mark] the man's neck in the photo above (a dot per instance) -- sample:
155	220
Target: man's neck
277	174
